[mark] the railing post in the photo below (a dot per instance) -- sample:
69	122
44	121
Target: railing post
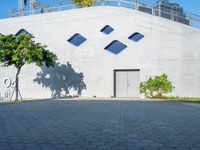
191	20
136	4
159	10
59	6
103	3
153	11
173	15
119	3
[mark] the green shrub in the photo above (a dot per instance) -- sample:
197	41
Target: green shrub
156	86
84	3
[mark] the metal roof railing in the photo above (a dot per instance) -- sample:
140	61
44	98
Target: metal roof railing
185	18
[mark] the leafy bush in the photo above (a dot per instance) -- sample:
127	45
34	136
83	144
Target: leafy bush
156	86
84	3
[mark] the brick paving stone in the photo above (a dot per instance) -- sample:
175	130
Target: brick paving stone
99	125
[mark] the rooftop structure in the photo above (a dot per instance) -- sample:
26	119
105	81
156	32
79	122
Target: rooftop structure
163	8
171	11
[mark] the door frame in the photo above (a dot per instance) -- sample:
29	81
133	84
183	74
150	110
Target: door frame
114	77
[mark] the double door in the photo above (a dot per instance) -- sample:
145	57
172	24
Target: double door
127	83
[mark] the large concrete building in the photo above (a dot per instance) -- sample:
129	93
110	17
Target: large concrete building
109	51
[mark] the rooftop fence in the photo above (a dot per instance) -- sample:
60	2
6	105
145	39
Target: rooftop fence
184	18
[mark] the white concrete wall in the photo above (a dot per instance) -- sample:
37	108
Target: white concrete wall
168	47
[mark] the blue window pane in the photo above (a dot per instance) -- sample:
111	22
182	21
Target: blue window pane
107	29
77	39
136	37
115	47
22	31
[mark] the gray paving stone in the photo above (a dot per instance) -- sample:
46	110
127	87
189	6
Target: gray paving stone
99	125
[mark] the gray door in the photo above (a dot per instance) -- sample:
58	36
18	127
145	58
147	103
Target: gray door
127	83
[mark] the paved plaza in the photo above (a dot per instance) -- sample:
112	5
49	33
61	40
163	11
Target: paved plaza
99	125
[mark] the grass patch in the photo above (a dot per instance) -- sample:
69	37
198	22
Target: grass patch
187	99
178	99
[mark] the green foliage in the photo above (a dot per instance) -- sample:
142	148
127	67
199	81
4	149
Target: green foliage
22	50
156	86
84	3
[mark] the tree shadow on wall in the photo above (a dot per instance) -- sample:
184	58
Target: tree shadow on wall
60	80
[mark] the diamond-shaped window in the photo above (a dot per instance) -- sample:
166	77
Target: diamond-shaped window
136	37
115	47
107	29
77	39
22	31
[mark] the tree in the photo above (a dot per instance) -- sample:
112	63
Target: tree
156	86
22	49
84	3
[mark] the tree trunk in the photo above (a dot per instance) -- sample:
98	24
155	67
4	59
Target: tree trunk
17	84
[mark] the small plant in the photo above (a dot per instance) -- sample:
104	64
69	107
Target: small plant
84	3
156	86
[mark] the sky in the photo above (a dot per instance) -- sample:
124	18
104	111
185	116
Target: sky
192	6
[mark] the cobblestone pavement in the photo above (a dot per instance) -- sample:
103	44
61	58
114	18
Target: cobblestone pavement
99	125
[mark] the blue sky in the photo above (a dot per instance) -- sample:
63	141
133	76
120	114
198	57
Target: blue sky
192	6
